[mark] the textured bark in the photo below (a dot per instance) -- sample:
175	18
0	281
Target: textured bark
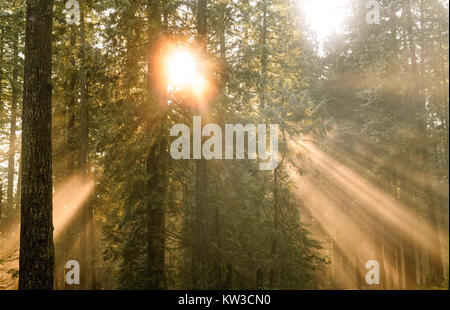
1	108
1	211
1	67
36	262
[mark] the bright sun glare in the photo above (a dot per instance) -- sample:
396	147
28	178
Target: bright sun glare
181	69
326	16
184	73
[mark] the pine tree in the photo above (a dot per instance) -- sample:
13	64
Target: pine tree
36	234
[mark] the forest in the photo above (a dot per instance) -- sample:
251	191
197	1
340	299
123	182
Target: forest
224	145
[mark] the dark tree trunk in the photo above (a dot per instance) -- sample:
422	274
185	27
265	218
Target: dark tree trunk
65	243
224	77
201	188
36	262
87	237
71	140
157	156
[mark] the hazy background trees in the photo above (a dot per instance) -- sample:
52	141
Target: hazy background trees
363	146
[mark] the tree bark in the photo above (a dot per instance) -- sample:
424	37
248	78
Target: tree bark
1	67
1	108
1	214
36	261
157	156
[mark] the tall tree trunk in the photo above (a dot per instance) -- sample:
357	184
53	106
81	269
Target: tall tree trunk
65	243
422	153
1	67
382	260
217	215
1	109
1	214
262	97
84	126
444	74
12	136
71	140
93	262
273	272
411	245
222	43
36	261
157	156
263	81
444	201
201	188
407	245
19	179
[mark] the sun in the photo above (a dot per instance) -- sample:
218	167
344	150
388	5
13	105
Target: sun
188	75
181	69
326	16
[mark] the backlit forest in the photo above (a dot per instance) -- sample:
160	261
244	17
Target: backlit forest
91	94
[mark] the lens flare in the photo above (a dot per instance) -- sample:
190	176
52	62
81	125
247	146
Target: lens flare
182	69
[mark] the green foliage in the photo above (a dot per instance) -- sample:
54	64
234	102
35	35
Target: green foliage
240	227
363	101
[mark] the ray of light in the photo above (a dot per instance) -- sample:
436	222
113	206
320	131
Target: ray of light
388	210
68	198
